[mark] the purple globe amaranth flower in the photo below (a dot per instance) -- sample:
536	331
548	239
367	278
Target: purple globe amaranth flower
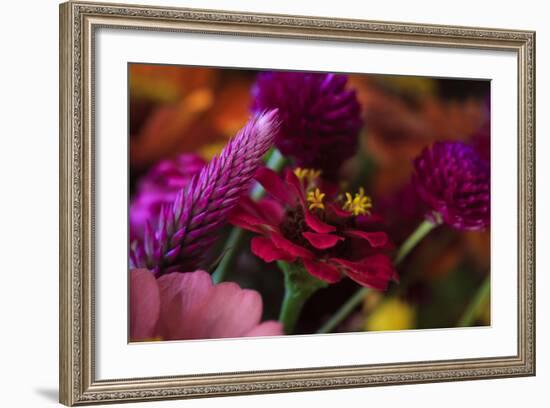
320	118
454	181
189	225
160	186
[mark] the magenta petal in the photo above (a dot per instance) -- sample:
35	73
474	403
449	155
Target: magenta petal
265	249
271	210
322	270
295	185
144	305
273	184
321	241
317	225
246	221
289	247
338	211
269	328
372	282
373	271
376	239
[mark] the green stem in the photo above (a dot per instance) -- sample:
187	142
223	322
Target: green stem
299	286
276	162
473	310
291	308
421	231
231	250
344	311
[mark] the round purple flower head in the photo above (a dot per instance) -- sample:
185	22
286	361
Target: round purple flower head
320	117
454	181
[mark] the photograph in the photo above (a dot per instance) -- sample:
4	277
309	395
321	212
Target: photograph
260	203
280	202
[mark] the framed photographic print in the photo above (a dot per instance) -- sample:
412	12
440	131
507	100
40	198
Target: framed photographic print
258	203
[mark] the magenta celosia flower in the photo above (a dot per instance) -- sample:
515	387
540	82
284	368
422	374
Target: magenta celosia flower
160	186
332	238
454	181
188	226
320	117
184	306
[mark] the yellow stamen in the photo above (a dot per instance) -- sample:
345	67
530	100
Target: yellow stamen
315	199
360	204
308	174
300	173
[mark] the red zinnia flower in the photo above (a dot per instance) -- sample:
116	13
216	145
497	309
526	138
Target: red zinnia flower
331	237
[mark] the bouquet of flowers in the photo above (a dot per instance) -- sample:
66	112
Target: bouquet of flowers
276	203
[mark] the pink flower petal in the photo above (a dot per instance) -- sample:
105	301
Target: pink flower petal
183	298
265	249
273	184
322	270
290	247
193	308
269	328
231	311
375	239
317	225
322	241
144	305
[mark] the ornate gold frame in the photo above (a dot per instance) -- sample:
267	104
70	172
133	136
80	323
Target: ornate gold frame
78	22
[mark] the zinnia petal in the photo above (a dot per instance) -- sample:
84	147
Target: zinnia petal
375	239
193	308
247	221
322	241
322	270
265	249
183	297
273	184
294	184
231	311
144	305
373	271
340	213
289	247
317	225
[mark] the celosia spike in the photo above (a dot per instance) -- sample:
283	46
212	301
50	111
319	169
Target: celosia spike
172	255
148	238
204	206
178	203
178	236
